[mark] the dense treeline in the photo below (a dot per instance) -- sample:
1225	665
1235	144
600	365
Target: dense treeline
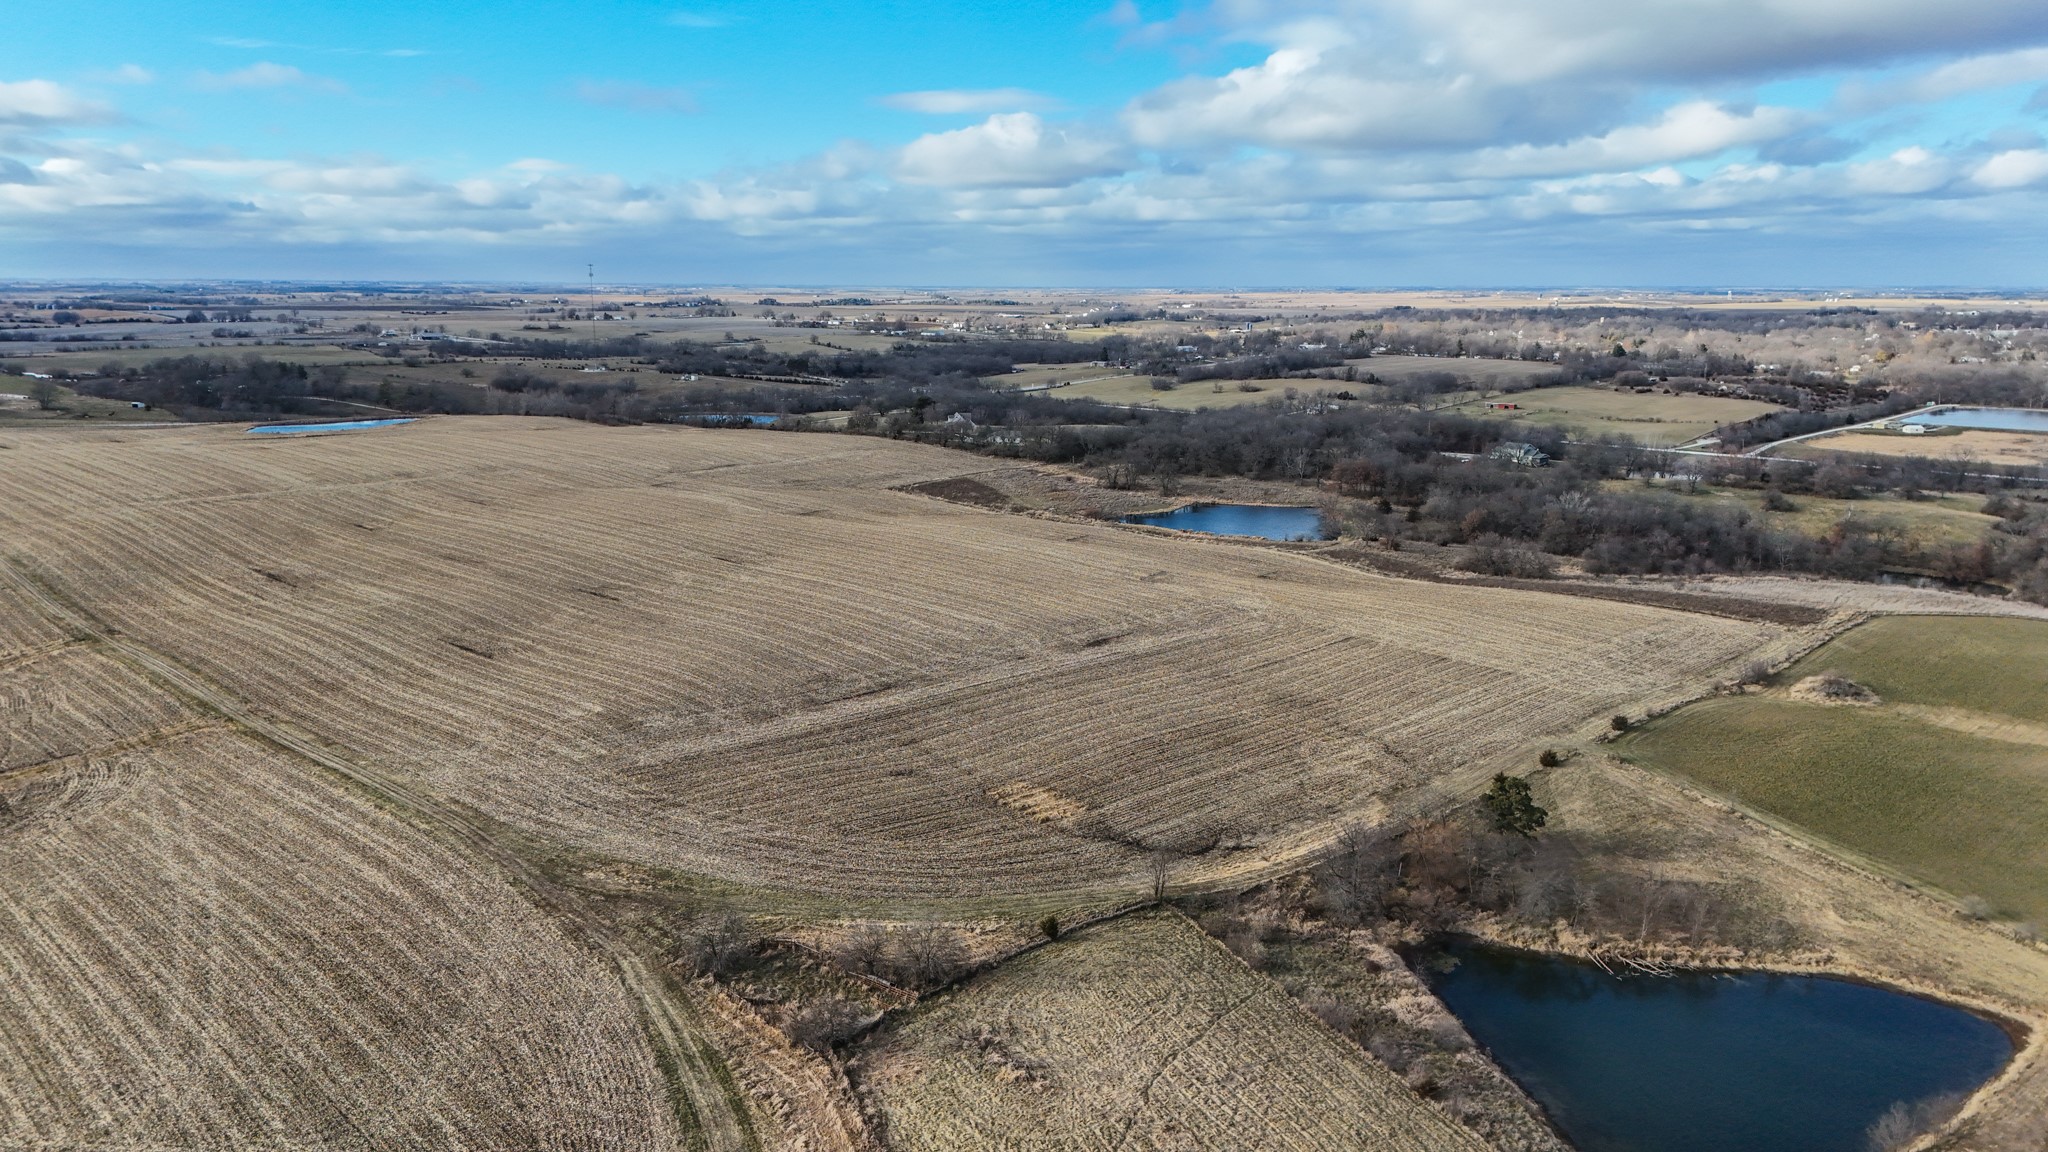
200	387
1410	475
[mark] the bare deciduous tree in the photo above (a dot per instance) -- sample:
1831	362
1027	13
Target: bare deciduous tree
1160	864
864	950
719	945
928	955
1356	876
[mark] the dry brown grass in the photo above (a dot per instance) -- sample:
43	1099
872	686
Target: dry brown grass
2012	449
1140	1034
741	655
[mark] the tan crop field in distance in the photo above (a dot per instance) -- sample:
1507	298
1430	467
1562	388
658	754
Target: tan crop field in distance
743	656
1137	391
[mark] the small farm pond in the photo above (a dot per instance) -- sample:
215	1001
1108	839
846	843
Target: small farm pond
2000	419
1266	521
1710	1062
735	419
336	426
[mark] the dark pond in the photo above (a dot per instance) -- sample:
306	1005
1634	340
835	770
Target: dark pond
1710	1062
1260	520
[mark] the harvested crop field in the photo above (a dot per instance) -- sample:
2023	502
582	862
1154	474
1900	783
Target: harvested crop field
209	944
1944	778
1143	1033
743	656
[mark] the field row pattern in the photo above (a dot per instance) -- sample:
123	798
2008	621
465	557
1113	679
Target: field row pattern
741	654
208	945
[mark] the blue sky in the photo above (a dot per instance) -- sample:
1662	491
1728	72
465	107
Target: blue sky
1107	142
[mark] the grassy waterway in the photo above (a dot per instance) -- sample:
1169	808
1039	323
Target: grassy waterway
1710	1062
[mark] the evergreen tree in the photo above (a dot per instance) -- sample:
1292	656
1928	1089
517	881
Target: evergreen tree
1511	808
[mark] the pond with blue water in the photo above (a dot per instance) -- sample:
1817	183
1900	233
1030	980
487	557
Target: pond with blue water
1710	1061
1997	419
1265	521
335	426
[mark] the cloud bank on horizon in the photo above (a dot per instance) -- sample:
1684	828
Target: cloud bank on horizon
1232	141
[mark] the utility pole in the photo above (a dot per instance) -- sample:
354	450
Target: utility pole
592	269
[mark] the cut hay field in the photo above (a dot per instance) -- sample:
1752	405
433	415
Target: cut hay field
1945	780
743	658
1138	390
2012	449
1141	1034
1652	418
1041	375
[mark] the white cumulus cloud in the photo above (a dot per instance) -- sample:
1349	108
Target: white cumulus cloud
1008	150
1303	97
40	103
1685	131
2016	168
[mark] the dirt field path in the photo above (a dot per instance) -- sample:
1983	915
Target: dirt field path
713	1113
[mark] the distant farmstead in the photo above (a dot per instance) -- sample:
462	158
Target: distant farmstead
1520	452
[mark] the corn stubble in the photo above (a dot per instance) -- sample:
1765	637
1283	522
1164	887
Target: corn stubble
738	656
